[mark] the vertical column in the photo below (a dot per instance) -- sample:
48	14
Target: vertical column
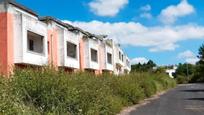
81	52
53	47
101	57
6	43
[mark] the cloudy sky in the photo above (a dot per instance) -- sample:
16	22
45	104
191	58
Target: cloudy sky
166	31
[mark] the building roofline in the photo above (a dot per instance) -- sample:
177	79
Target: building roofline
22	7
49	18
68	26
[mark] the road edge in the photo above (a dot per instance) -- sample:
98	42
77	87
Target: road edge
127	110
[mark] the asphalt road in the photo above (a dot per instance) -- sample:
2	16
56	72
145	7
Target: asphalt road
184	100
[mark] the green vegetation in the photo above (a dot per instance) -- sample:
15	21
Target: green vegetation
191	73
185	70
199	73
184	73
45	91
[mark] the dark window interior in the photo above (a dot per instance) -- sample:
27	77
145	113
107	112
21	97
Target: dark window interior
31	45
35	42
109	56
119	55
71	50
94	55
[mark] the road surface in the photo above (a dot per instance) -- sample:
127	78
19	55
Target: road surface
184	100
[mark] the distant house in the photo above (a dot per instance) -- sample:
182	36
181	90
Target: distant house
170	72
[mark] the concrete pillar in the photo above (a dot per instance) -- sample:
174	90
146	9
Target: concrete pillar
6	43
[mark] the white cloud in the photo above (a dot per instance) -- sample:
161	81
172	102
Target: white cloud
146	8
156	38
170	14
188	56
146	15
107	8
140	60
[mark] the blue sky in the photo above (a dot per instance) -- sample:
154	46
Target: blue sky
166	31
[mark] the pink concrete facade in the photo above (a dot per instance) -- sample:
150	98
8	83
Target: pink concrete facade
6	43
102	58
53	47
81	54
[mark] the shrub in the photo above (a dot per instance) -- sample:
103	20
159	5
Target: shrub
128	89
182	79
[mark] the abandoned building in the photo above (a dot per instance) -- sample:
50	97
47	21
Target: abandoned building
28	39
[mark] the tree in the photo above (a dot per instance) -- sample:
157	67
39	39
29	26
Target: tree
199	76
150	64
185	70
201	53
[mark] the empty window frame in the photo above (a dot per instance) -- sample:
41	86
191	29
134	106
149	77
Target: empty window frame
109	58
94	55
71	50
35	42
122	57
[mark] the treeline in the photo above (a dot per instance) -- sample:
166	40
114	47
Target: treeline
145	67
191	73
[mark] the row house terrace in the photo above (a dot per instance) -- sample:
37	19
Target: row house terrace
23	37
63	44
26	39
90	53
96	54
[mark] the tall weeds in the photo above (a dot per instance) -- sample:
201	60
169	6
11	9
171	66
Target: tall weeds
46	91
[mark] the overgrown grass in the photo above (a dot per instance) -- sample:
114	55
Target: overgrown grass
46	91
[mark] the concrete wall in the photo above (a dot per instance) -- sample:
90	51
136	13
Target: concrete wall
6	41
108	49
60	49
127	66
86	44
53	40
102	56
118	63
72	38
82	44
92	44
23	23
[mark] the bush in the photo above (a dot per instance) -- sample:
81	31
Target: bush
182	79
46	91
129	90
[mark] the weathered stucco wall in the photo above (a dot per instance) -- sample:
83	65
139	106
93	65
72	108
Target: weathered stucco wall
6	42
